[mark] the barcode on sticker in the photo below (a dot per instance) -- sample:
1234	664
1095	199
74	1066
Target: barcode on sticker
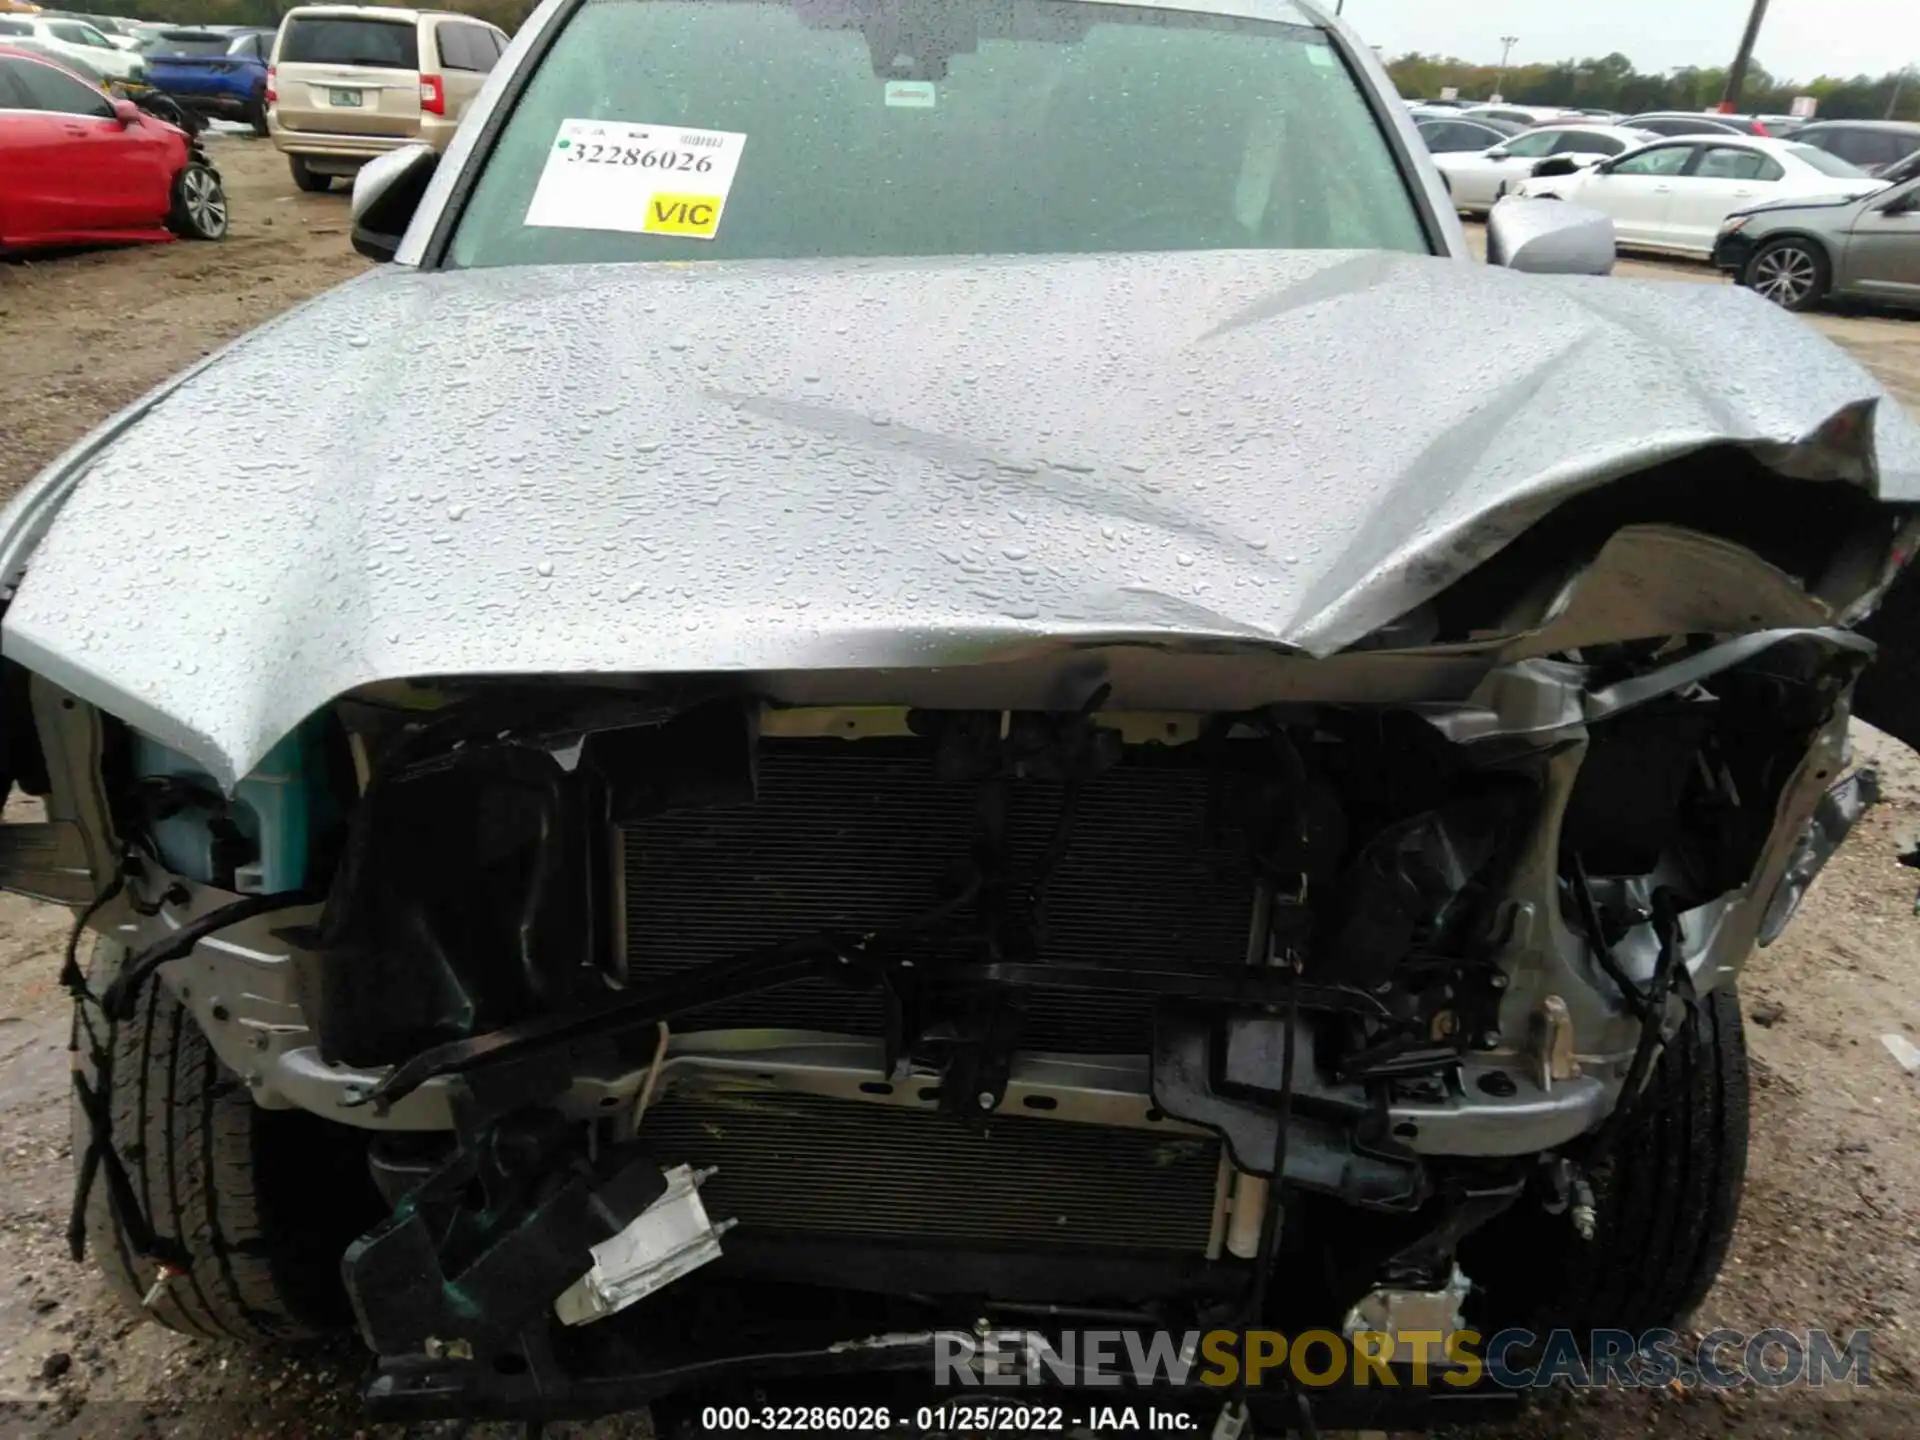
911	95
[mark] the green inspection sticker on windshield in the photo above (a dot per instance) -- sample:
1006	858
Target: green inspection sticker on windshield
643	179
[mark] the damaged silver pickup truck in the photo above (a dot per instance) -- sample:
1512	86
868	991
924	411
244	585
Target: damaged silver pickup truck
1070	712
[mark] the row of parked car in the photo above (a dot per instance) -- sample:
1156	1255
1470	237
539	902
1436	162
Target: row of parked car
1823	211
97	137
1875	146
403	74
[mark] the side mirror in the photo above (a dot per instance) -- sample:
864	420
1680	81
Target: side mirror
1556	165
1549	237
1499	152
1905	205
386	192
126	112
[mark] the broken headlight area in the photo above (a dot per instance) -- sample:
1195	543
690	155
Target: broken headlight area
1682	800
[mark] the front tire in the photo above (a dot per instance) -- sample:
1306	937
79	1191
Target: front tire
264	1202
256	116
1793	273
199	204
307	178
1665	1201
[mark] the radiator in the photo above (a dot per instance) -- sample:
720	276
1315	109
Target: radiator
850	836
802	1165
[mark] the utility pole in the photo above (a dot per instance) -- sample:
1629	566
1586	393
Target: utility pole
1737	75
1507	42
1899	84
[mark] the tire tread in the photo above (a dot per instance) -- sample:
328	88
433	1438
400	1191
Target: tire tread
1666	1200
196	1164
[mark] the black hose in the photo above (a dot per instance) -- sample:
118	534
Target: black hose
1271	1219
117	1001
1666	924
72	978
1602	952
748	973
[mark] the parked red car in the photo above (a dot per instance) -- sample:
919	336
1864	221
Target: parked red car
78	167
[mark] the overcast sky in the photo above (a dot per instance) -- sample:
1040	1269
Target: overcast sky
1802	38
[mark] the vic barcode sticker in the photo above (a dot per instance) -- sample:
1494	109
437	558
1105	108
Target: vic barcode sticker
644	179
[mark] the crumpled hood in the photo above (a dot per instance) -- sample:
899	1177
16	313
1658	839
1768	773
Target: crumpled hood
783	466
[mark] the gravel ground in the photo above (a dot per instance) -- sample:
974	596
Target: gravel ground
1830	1233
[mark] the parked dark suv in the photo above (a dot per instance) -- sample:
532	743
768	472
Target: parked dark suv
1691	122
1874	145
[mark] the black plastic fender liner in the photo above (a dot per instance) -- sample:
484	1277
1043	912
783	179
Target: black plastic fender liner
438	1269
1888	694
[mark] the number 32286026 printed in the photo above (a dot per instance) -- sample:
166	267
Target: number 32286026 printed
643	179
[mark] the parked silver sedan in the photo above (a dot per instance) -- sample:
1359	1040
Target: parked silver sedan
1803	253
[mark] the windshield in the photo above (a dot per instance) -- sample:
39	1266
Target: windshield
727	129
1826	162
344	40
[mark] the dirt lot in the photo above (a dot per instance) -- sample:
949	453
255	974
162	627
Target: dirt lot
1831	1229
86	334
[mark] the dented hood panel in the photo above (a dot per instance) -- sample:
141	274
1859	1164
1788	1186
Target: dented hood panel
810	465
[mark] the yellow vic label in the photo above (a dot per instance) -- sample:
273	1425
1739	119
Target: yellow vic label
695	215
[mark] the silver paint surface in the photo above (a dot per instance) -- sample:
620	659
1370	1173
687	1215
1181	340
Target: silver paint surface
800	466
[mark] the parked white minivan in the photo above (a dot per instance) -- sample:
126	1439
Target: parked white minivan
350	82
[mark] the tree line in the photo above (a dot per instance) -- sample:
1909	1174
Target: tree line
1611	83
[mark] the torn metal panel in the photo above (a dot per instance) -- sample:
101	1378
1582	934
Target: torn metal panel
1651	581
668	1239
1833	820
1539	697
969	471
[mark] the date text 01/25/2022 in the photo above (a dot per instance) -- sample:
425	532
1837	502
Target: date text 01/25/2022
1001	1419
